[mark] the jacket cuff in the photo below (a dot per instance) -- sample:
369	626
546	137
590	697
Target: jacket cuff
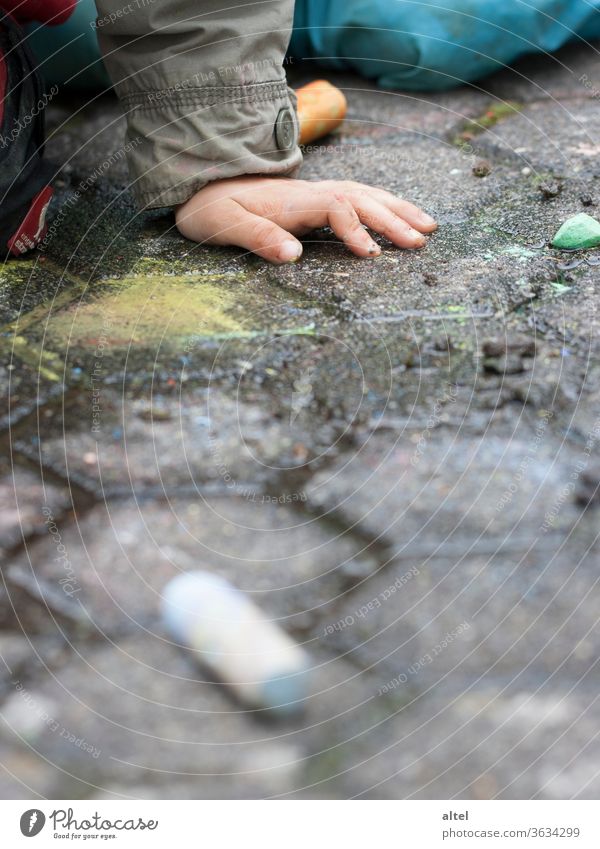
185	136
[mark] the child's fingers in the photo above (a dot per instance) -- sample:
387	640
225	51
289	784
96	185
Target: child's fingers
257	234
416	217
382	220
345	223
408	211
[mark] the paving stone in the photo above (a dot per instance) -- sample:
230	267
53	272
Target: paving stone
107	702
197	439
27	383
348	744
23	499
24	653
432	173
288	410
514	743
560	137
15	652
120	556
504	616
382	486
26	775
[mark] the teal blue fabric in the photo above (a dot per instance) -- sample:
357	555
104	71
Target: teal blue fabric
429	45
406	44
69	54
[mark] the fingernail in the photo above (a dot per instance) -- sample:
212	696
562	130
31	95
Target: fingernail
427	220
290	251
420	240
374	249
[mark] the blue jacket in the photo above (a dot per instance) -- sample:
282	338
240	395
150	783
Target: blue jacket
435	44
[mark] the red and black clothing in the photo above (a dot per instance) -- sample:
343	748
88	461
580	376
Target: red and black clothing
24	178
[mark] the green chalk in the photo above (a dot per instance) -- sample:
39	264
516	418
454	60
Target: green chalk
578	233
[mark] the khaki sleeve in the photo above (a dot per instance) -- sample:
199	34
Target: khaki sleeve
203	87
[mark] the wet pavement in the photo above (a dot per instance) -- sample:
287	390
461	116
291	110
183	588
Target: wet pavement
396	459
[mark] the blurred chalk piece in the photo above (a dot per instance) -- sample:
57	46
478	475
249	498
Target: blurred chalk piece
231	636
321	109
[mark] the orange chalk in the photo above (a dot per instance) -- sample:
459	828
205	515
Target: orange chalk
321	108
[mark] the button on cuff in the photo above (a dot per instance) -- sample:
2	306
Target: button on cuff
285	129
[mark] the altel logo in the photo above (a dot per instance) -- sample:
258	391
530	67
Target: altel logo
32	822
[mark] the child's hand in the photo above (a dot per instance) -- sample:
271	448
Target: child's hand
264	214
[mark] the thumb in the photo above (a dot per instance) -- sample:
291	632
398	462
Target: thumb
228	223
259	235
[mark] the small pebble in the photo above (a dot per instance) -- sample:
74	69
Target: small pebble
442	344
509	364
300	452
155	414
355	571
430	279
587	200
482	168
499	346
550	190
578	233
588	486
569	266
526	172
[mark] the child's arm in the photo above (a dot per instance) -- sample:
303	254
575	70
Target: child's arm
204	90
210	117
